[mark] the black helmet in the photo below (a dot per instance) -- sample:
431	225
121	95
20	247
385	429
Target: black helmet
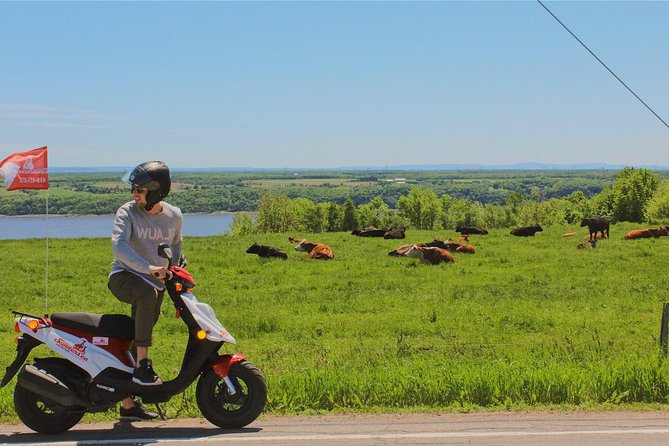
153	176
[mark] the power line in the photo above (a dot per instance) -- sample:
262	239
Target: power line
603	64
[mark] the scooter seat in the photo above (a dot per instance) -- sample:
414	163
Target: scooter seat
111	325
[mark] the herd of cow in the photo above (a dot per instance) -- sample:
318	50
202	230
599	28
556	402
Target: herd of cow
439	251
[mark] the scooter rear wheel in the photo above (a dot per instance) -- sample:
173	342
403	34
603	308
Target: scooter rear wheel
232	411
43	415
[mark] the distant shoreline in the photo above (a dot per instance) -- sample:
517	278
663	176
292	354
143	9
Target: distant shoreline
109	215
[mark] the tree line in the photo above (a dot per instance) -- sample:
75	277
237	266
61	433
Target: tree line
637	195
429	200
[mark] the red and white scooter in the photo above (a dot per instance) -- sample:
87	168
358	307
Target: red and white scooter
95	371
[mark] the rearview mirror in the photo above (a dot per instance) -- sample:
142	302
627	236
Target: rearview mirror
165	251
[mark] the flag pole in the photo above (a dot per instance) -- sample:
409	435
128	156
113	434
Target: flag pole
30	170
46	299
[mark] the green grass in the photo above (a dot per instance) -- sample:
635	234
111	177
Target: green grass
524	322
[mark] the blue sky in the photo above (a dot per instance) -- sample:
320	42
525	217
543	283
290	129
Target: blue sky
328	84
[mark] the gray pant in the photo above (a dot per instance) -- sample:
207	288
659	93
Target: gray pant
145	301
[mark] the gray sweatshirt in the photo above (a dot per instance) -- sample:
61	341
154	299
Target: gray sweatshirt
136	236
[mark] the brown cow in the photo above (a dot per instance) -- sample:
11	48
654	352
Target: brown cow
316	250
401	250
646	233
463	238
587	245
597	236
448	245
431	255
465	249
395	233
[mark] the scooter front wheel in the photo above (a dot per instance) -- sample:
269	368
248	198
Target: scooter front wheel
43	415
232	411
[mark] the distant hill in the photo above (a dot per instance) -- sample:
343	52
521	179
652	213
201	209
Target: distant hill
517	166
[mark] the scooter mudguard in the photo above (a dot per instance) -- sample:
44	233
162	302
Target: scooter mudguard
222	366
25	344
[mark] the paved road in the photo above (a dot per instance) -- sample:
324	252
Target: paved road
506	428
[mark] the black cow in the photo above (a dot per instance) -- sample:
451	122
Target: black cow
266	251
465	230
526	231
369	232
596	224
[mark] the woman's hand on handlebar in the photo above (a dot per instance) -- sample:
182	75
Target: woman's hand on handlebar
158	271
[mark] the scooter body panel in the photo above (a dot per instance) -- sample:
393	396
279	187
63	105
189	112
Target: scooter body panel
80	351
206	318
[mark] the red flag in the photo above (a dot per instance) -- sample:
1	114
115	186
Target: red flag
26	170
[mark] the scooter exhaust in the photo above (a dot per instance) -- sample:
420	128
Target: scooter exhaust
41	382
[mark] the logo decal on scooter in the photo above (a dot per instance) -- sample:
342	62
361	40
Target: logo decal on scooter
79	350
99	340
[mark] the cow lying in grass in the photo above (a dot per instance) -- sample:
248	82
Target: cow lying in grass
369	232
465	248
596	237
429	254
526	231
266	251
376	232
395	233
646	233
448	245
316	250
587	245
466	230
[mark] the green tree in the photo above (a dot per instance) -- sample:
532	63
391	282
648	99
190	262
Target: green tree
576	207
275	214
464	213
373	214
444	217
311	216
349	221
496	216
602	203
632	191
421	207
333	215
243	224
658	207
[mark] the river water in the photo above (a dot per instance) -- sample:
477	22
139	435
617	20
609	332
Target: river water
57	226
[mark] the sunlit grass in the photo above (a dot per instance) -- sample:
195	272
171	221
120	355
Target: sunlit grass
523	322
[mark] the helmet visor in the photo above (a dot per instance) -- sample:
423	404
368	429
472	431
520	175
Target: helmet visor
140	177
126	178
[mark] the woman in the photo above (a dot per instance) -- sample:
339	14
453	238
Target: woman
137	274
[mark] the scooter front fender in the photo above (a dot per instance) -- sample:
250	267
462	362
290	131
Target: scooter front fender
224	362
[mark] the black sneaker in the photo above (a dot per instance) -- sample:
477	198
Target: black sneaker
145	375
137	413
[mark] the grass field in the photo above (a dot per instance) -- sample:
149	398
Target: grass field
524	322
